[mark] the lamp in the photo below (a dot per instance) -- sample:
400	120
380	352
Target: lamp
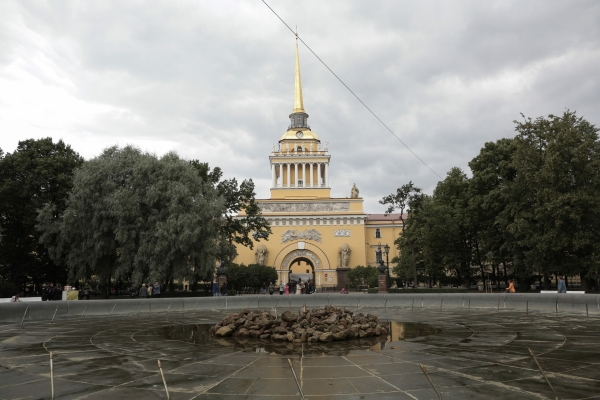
387	248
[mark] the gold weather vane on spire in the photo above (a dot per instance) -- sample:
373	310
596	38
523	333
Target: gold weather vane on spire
298	100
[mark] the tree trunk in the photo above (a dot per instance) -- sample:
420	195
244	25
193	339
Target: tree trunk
546	281
412	250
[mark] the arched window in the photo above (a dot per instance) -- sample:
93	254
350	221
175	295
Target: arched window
377	233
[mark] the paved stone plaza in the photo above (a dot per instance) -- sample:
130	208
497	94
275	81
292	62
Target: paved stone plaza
469	354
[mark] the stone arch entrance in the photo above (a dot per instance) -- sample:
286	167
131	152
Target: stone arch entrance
301	255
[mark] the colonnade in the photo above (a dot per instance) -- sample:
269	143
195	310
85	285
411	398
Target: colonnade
307	175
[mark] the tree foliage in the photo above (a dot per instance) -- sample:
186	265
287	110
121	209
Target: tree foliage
242	219
363	276
532	205
253	276
38	172
131	214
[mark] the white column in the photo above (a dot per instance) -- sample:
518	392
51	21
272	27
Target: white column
310	174
273	176
319	174
304	174
281	174
289	184
296	173
326	174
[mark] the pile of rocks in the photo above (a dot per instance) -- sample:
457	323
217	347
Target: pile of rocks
317	325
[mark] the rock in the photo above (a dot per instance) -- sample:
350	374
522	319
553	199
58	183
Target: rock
340	335
242	332
254	333
323	325
287	316
333	319
224	331
326	337
279	330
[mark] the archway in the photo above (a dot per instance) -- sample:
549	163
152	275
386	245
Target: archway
301	268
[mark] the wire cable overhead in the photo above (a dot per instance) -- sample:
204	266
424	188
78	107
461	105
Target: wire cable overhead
350	90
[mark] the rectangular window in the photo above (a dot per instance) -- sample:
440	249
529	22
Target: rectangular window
300	183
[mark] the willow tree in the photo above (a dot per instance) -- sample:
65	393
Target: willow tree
133	215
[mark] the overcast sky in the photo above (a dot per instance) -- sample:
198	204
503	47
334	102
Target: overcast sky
213	80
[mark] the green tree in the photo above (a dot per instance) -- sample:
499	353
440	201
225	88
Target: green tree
363	276
38	172
401	201
132	214
253	276
242	221
558	188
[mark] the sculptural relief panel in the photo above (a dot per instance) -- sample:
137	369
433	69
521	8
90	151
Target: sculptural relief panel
341	233
305	207
309	234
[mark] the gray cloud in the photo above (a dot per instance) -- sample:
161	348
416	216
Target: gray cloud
214	80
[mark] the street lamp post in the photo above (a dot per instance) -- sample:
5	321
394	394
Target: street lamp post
387	262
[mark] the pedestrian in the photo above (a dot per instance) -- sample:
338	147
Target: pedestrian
157	289
343	291
45	292
299	287
511	287
215	289
15	299
143	291
133	291
57	292
287	288
50	292
271	288
561	286
281	288
223	289
86	291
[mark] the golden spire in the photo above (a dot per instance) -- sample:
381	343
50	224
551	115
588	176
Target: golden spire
298	100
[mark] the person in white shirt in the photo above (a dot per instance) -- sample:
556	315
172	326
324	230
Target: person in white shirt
15	299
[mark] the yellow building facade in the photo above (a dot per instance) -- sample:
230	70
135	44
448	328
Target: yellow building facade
314	235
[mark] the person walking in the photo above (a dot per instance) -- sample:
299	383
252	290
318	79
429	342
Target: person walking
281	289
215	289
133	291
15	299
86	291
511	287
561	287
287	288
157	289
143	291
271	288
150	290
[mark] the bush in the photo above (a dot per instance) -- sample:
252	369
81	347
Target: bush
363	276
252	276
231	292
373	290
